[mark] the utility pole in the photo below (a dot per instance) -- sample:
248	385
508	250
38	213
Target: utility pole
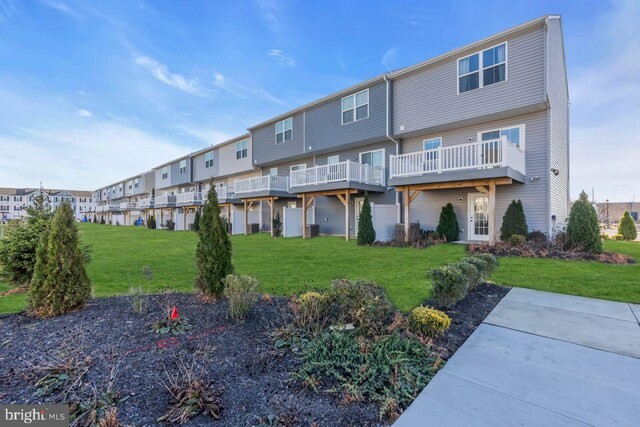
607	214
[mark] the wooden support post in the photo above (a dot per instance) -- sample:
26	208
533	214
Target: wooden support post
246	218
229	213
270	201
304	216
492	212
184	218
346	219
407	204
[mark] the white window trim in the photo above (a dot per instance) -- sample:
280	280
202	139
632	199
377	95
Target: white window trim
522	127
424	141
271	169
208	163
384	160
481	68
354	95
333	157
298	167
240	143
284	131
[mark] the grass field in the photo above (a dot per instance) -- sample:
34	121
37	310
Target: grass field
284	266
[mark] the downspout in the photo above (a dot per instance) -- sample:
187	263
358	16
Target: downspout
388	134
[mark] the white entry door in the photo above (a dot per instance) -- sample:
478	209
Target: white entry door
478	216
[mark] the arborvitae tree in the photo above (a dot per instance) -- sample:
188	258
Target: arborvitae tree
448	224
366	232
277	225
514	221
196	221
627	227
213	253
151	222
583	231
18	248
102	221
60	282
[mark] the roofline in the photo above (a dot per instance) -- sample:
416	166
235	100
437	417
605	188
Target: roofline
459	50
221	144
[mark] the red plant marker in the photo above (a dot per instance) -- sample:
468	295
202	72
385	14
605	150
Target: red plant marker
174	313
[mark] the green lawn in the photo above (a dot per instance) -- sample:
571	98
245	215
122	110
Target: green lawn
284	266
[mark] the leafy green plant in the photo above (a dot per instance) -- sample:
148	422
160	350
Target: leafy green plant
619	237
311	312
492	263
151	222
60	376
471	273
481	265
627	227
514	221
448	224
448	285
362	303
242	293
170	225
538	238
172	323
428	322
517	239
196	221
100	408
277	225
366	232
583	231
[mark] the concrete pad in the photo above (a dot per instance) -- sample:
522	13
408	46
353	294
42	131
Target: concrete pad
592	386
452	401
597	307
636	311
604	333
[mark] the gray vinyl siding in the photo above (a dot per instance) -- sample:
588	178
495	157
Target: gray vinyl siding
160	182
425	209
265	149
202	173
149	181
228	164
325	131
178	178
558	124
428	97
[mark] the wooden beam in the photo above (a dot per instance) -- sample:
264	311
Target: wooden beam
407	204
259	199
304	216
459	184
309	201
347	197
271	207
330	192
246	219
413	196
342	199
492	213
482	189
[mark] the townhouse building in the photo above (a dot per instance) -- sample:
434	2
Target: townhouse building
476	127
126	201
14	201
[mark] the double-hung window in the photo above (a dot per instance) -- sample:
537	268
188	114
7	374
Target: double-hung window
482	68
208	159
183	166
273	171
514	134
136	182
130	185
284	130
242	149
372	158
355	107
165	172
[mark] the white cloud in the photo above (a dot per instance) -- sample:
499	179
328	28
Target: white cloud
161	72
281	58
84	113
388	60
224	83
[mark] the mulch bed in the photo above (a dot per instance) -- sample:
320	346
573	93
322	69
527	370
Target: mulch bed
533	251
239	356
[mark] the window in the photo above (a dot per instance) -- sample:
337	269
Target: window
17	198
273	171
292	205
165	172
4	198
130	185
284	130
483	68
372	158
355	107
208	159
332	160
431	143
136	182
120	188
241	149
515	134
183	166
299	167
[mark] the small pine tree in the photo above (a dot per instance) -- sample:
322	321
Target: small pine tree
277	225
60	282
196	221
627	228
448	224
102	221
514	221
583	231
151	222
366	232
213	252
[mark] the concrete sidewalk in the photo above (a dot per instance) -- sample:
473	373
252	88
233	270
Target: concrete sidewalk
540	359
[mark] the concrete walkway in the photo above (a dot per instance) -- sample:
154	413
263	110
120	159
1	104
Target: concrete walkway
540	359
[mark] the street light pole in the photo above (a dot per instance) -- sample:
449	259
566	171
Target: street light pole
607	214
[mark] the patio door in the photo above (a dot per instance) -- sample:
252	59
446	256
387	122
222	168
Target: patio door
478	222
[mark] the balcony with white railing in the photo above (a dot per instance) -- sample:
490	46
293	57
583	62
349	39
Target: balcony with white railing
145	203
261	185
127	206
493	158
347	173
190	198
165	200
114	207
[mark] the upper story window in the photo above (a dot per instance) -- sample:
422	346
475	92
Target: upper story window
208	159
4	198
136	182
332	160
130	185
17	198
482	68
242	150
273	171
284	130
355	107
165	172
515	134
372	158
183	166
120	188
431	143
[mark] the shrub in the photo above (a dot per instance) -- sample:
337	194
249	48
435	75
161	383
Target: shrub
605	236
170	224
517	239
538	238
514	221
366	232
428	322
448	285
277	225
618	237
481	265
196	221
102	221
151	222
311	312
471	273
60	282
213	252
583	232
242	292
448	224
362	303
627	227
171	323
491	260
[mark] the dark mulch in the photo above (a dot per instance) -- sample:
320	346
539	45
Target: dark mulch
532	250
238	356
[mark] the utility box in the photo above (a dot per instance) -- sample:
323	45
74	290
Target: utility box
313	230
414	232
254	228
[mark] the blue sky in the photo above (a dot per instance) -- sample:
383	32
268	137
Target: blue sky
95	91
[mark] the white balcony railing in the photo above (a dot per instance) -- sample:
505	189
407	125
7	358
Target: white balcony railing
114	206
145	203
262	183
344	171
190	197
128	205
165	200
477	155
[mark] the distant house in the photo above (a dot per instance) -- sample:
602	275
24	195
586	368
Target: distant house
612	212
